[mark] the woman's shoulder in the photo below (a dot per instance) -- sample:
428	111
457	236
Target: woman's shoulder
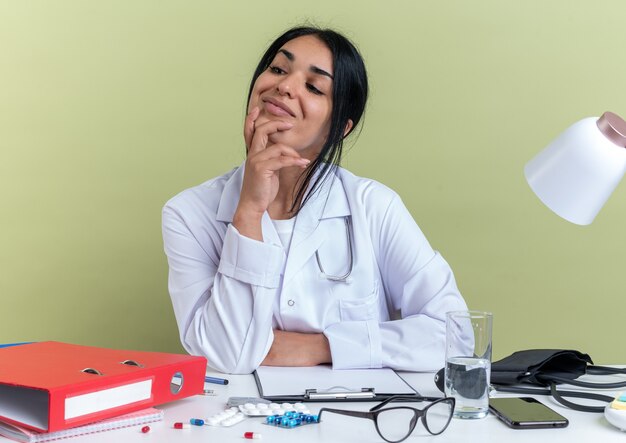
204	197
365	189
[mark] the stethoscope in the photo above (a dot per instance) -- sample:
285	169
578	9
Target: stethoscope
339	278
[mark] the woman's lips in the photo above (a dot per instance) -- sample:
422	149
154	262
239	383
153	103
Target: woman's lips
276	109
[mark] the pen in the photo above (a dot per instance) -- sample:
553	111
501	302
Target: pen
215	380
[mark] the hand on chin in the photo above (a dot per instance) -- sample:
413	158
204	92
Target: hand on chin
278	137
275	137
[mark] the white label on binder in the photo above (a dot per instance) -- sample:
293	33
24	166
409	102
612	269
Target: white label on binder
105	399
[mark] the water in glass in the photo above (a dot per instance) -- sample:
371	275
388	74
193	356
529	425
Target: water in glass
467	380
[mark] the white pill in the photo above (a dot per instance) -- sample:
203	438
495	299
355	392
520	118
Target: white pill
233	420
249	406
274	406
261	406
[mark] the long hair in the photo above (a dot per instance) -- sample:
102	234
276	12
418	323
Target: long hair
349	96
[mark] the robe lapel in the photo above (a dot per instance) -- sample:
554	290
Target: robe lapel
310	231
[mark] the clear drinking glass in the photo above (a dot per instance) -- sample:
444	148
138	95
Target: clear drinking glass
468	362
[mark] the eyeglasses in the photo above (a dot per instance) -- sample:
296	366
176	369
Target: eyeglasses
396	423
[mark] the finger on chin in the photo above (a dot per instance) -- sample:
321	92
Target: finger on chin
276	137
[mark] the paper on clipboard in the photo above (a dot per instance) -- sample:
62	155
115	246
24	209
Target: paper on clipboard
326	384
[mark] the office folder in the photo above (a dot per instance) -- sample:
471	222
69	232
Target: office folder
50	386
322	383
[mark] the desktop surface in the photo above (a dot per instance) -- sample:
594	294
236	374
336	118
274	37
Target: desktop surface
583	427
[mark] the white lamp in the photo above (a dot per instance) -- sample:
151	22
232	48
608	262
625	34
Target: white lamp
575	175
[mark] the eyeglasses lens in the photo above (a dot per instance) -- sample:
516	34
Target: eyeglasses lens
394	424
438	416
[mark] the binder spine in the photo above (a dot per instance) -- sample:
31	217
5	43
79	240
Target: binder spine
105	399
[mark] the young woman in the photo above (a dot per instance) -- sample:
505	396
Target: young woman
290	260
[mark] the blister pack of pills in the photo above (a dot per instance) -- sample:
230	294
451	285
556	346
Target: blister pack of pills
291	419
264	410
233	415
229	417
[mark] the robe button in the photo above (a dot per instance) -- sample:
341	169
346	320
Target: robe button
291	302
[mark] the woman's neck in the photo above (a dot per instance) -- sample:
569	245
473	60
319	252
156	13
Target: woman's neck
283	206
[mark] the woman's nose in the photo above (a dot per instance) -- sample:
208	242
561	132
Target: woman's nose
286	87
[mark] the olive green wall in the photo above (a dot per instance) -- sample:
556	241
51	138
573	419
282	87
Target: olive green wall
108	108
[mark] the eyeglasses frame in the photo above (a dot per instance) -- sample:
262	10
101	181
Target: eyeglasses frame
376	410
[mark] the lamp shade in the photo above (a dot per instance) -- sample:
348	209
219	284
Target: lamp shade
576	173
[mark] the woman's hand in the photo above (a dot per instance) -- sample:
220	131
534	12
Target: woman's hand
298	349
260	181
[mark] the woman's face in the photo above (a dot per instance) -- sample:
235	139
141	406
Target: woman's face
297	88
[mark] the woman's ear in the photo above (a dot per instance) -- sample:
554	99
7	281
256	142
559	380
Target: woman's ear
348	127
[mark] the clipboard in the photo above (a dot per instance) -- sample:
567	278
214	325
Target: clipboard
323	384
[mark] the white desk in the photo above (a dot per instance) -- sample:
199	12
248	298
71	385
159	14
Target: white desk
583	427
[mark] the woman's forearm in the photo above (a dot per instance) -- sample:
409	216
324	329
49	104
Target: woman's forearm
298	349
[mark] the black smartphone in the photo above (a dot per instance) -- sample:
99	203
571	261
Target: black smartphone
526	413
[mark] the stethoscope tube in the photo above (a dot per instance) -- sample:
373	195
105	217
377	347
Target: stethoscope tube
340	278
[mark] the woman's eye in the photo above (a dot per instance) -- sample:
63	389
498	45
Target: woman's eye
313	89
276	70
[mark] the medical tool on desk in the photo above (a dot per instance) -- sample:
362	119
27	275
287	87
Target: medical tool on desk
341	278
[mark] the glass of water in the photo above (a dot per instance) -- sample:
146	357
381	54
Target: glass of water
468	362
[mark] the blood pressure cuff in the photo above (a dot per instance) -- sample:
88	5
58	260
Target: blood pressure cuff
539	367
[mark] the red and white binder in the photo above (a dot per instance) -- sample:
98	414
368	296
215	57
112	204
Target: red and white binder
50	386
